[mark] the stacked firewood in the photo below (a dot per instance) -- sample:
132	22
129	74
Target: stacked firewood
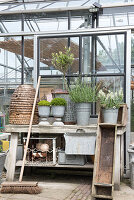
21	106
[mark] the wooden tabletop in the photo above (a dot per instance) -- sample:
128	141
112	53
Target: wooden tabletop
56	129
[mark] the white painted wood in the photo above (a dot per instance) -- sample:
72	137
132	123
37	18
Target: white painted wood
54	151
122	155
51	129
12	157
117	165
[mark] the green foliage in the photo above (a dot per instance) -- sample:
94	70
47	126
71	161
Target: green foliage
83	92
44	103
62	61
58	102
110	99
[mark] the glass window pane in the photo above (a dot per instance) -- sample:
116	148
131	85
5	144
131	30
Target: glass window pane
10	67
86	55
110	54
28	59
54	45
11	25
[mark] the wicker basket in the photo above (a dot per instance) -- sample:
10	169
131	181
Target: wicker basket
21	106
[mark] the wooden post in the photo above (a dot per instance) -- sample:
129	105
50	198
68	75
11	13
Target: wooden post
122	155
54	151
12	157
117	164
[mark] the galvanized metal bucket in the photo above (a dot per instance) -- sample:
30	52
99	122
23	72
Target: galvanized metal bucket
83	111
110	115
131	166
2	162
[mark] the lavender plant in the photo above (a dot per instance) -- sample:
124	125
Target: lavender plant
83	92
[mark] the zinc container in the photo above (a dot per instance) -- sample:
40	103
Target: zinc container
64	159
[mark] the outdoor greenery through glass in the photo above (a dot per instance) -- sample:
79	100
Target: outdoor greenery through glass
110	100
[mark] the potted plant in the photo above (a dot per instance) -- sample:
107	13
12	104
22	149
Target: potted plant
83	94
44	112
58	109
110	102
62	61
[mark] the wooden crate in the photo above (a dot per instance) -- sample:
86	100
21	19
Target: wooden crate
102	186
122	115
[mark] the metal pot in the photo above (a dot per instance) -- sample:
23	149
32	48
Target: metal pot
58	111
83	111
110	115
44	111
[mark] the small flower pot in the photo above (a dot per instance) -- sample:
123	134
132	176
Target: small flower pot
44	112
110	116
58	113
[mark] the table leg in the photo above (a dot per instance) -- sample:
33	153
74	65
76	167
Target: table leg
117	164
54	151
122	155
12	157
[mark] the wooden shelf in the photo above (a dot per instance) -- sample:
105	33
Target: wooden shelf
102	197
108	125
50	164
103	185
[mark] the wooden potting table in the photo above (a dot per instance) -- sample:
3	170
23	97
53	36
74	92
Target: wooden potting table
55	130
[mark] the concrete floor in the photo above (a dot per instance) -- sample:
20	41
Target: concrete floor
66	187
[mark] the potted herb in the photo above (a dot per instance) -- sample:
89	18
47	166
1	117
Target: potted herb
44	112
58	109
110	102
83	94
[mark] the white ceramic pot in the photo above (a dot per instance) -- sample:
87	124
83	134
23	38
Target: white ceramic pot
110	116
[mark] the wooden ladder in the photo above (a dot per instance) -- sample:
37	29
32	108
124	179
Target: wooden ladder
103	175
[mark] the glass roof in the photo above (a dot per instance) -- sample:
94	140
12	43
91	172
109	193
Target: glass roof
12	5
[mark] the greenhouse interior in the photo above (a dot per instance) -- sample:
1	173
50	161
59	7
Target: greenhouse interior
100	36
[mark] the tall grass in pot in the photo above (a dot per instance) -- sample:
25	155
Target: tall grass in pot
83	94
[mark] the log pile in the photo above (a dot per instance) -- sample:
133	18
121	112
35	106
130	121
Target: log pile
21	106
